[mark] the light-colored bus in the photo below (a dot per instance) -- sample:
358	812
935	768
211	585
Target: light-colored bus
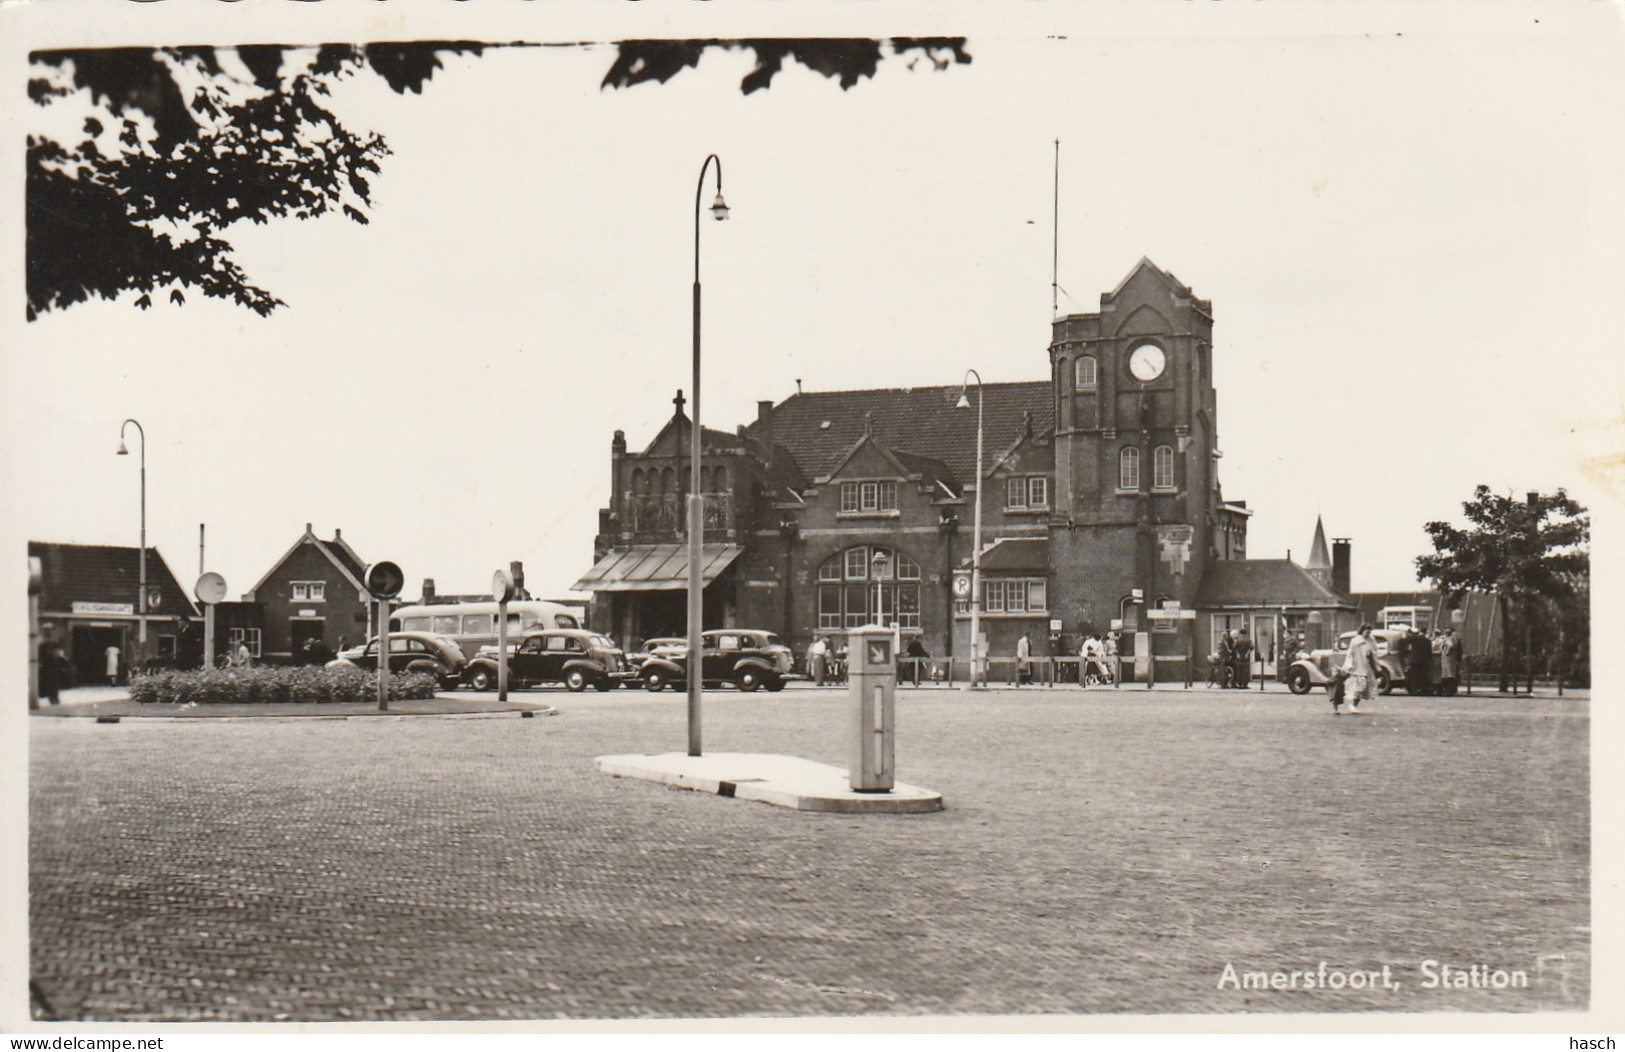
474	625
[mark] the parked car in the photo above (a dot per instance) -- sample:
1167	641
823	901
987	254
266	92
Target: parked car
410	652
572	656
658	645
1317	669
746	658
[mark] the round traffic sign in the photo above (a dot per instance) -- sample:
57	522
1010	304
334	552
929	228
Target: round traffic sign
210	588
384	580
501	586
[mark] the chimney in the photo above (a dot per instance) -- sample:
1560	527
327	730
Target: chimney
764	430
516	570
428	589
338	534
1340	566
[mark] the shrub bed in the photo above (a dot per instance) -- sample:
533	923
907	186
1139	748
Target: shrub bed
273	684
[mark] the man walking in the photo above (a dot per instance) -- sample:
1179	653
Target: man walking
1449	663
1024	653
1362	666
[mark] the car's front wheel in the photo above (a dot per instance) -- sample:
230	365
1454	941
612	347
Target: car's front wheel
1297	680
602	685
654	681
748	680
774	684
576	680
1385	682
481	679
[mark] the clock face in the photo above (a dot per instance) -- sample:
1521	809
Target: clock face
1146	362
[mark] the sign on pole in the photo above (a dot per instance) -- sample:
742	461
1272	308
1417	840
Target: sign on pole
502	591
210	589
384	582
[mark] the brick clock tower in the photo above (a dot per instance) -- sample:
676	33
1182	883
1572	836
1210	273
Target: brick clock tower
1137	497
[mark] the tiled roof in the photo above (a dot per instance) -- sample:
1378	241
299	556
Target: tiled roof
931	470
1262	581
1016	553
819	427
104	573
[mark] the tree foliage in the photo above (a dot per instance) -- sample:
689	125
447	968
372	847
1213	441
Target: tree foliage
1531	555
173	146
176	145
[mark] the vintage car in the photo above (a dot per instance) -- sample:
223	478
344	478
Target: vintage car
409	652
656	646
1317	669
744	657
572	656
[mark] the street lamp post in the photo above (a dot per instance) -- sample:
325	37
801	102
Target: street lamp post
696	502
141	596
976	533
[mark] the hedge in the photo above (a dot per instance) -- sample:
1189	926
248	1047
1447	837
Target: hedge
272	684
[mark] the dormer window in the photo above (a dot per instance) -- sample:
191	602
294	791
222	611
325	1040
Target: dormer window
309	591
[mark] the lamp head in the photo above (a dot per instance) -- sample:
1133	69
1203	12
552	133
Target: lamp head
964	400
121	450
719	208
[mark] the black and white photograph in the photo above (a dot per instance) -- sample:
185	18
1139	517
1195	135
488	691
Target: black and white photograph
1128	472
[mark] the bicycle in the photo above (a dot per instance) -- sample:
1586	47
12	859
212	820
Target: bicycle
1219	673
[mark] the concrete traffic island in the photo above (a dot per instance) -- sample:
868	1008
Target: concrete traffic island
785	781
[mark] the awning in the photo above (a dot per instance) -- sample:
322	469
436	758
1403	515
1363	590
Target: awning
654	568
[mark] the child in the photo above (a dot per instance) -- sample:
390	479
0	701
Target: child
1334	690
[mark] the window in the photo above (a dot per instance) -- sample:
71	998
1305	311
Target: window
858	498
1088	372
993	597
1223	623
415	624
848	592
251	636
447	624
1128	468
1038	595
479	624
1162	467
309	591
1026	492
1011	595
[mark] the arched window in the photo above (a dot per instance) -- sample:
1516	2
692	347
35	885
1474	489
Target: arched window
1128	468
640	481
1162	467
1088	372
850	593
668	482
720	479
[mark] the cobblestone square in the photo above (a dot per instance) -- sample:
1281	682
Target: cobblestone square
1100	852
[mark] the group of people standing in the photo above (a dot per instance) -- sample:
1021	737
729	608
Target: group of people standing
1235	659
1422	655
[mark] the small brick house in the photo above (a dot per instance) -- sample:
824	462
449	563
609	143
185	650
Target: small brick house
312	596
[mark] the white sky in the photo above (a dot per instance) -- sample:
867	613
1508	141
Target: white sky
1406	218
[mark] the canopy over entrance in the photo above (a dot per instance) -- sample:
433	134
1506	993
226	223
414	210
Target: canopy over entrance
655	568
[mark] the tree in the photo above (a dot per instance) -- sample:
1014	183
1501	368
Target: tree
1531	555
173	146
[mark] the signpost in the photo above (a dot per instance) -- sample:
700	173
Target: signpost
384	582
210	589
502	591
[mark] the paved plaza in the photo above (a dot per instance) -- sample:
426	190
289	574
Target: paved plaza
1100	852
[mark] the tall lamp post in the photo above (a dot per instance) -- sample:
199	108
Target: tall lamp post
696	502
976	532
141	597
